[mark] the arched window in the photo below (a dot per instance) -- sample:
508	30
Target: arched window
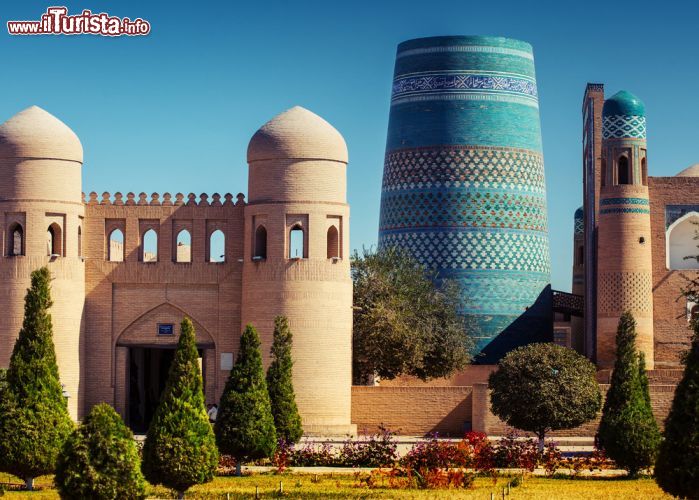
296	249
644	171
16	243
184	247
260	243
149	246
115	250
217	246
80	241
54	240
579	255
623	170
604	171
333	243
694	313
681	243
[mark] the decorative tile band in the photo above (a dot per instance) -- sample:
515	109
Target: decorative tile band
463	208
624	210
579	226
624	201
473	248
624	126
464	167
428	85
466	48
467	97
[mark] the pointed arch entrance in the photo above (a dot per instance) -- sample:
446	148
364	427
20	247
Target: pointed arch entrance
144	351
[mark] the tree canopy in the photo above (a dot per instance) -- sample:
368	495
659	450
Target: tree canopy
180	448
544	387
628	431
287	420
405	323
34	419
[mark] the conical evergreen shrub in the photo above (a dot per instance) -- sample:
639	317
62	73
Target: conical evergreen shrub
244	425
628	431
180	448
34	420
100	460
677	469
280	386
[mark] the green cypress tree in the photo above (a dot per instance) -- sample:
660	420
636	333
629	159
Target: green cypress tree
244	424
34	420
677	470
280	386
628	431
100	460
180	448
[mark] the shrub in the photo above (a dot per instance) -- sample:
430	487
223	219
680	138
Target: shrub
244	425
180	449
100	459
677	469
544	387
434	453
628	431
34	420
375	450
287	420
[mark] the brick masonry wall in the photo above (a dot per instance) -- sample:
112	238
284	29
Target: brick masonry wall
670	324
412	410
420	410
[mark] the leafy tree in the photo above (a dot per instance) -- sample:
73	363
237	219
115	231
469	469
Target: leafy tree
544	387
180	448
287	420
677	468
404	324
628	431
100	460
34	420
245	425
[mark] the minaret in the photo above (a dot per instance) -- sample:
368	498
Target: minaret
296	260
577	326
42	212
624	267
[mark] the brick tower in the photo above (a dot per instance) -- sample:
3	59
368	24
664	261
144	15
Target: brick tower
296	259
624	268
42	210
577	326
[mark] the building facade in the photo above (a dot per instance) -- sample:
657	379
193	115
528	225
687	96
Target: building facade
127	269
637	232
463	183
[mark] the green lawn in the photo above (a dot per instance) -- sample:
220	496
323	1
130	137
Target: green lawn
345	486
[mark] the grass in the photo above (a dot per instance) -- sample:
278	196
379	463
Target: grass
345	486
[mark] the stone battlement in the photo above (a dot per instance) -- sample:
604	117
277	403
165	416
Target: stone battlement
191	199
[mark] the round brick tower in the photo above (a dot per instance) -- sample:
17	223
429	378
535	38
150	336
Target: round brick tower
42	212
624	269
296	260
576	323
463	185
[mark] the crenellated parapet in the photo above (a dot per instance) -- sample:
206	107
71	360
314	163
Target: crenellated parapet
117	199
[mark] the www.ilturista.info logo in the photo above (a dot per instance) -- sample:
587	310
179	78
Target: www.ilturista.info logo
56	21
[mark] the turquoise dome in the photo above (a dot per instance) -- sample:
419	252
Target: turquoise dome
623	103
579	222
579	213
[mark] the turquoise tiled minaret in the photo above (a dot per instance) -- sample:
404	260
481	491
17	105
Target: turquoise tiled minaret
463	185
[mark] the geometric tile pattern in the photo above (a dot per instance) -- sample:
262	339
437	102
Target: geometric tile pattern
638	206
674	212
466	48
624	201
464	166
623	126
423	85
626	291
624	210
474	249
463	208
579	227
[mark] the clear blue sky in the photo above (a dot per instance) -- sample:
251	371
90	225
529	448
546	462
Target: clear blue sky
173	111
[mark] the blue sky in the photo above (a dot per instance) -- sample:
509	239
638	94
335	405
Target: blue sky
173	111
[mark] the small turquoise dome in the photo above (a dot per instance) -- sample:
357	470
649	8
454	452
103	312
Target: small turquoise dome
579	213
624	103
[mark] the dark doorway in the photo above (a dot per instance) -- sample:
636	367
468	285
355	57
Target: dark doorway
148	371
